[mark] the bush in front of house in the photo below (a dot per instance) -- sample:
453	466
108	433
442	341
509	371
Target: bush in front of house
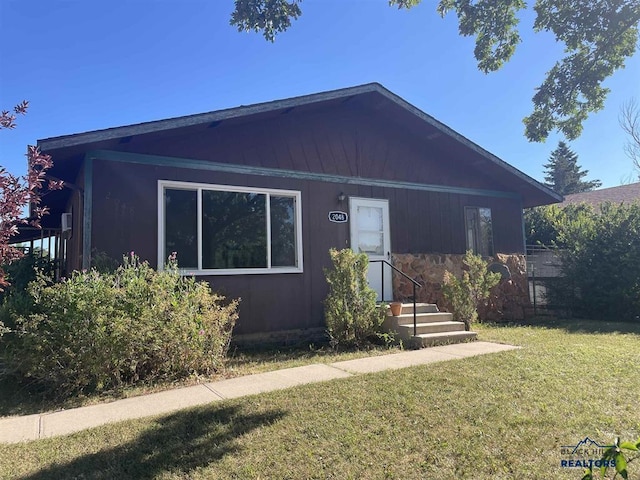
22	271
464	295
351	314
100	331
19	273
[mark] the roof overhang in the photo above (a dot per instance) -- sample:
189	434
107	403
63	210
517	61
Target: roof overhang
532	192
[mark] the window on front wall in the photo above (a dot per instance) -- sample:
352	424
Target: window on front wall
479	230
222	229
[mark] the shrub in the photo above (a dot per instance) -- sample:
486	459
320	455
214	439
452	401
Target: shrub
24	270
466	294
600	259
102	262
96	331
352	316
19	273
600	263
545	225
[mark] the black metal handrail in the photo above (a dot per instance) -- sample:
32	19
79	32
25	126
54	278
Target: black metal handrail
415	284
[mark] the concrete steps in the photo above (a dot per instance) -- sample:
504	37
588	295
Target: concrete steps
407	308
432	326
443	338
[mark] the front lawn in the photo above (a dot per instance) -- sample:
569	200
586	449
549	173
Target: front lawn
17	399
498	416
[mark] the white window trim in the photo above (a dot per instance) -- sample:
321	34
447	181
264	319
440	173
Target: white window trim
199	187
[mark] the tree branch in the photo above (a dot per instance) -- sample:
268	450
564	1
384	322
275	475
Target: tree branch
629	120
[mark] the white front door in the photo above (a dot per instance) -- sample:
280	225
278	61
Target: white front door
370	235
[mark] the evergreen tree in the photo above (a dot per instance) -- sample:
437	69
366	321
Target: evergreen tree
563	174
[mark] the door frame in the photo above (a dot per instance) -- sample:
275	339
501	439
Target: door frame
374	271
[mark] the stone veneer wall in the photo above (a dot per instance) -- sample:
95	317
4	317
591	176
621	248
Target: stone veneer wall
508	300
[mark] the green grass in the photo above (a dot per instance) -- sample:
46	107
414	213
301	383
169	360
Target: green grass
498	416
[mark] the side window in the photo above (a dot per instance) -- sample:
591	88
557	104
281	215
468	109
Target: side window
479	230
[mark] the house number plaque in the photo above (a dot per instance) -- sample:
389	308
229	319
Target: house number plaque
338	217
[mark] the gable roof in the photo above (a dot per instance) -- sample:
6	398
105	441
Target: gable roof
621	194
374	95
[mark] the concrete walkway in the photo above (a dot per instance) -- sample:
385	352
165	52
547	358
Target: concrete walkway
52	424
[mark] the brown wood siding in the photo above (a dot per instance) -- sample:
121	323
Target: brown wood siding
73	260
124	210
125	218
432	222
347	143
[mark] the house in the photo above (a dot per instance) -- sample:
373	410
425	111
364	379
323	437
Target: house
252	198
621	194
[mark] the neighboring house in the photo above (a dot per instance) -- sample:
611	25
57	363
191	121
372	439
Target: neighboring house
245	197
622	194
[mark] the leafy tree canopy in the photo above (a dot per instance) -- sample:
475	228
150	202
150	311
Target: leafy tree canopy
552	226
563	173
17	193
598	37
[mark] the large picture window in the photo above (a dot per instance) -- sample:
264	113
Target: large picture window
479	230
230	230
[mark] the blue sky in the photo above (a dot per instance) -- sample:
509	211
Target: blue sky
87	65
